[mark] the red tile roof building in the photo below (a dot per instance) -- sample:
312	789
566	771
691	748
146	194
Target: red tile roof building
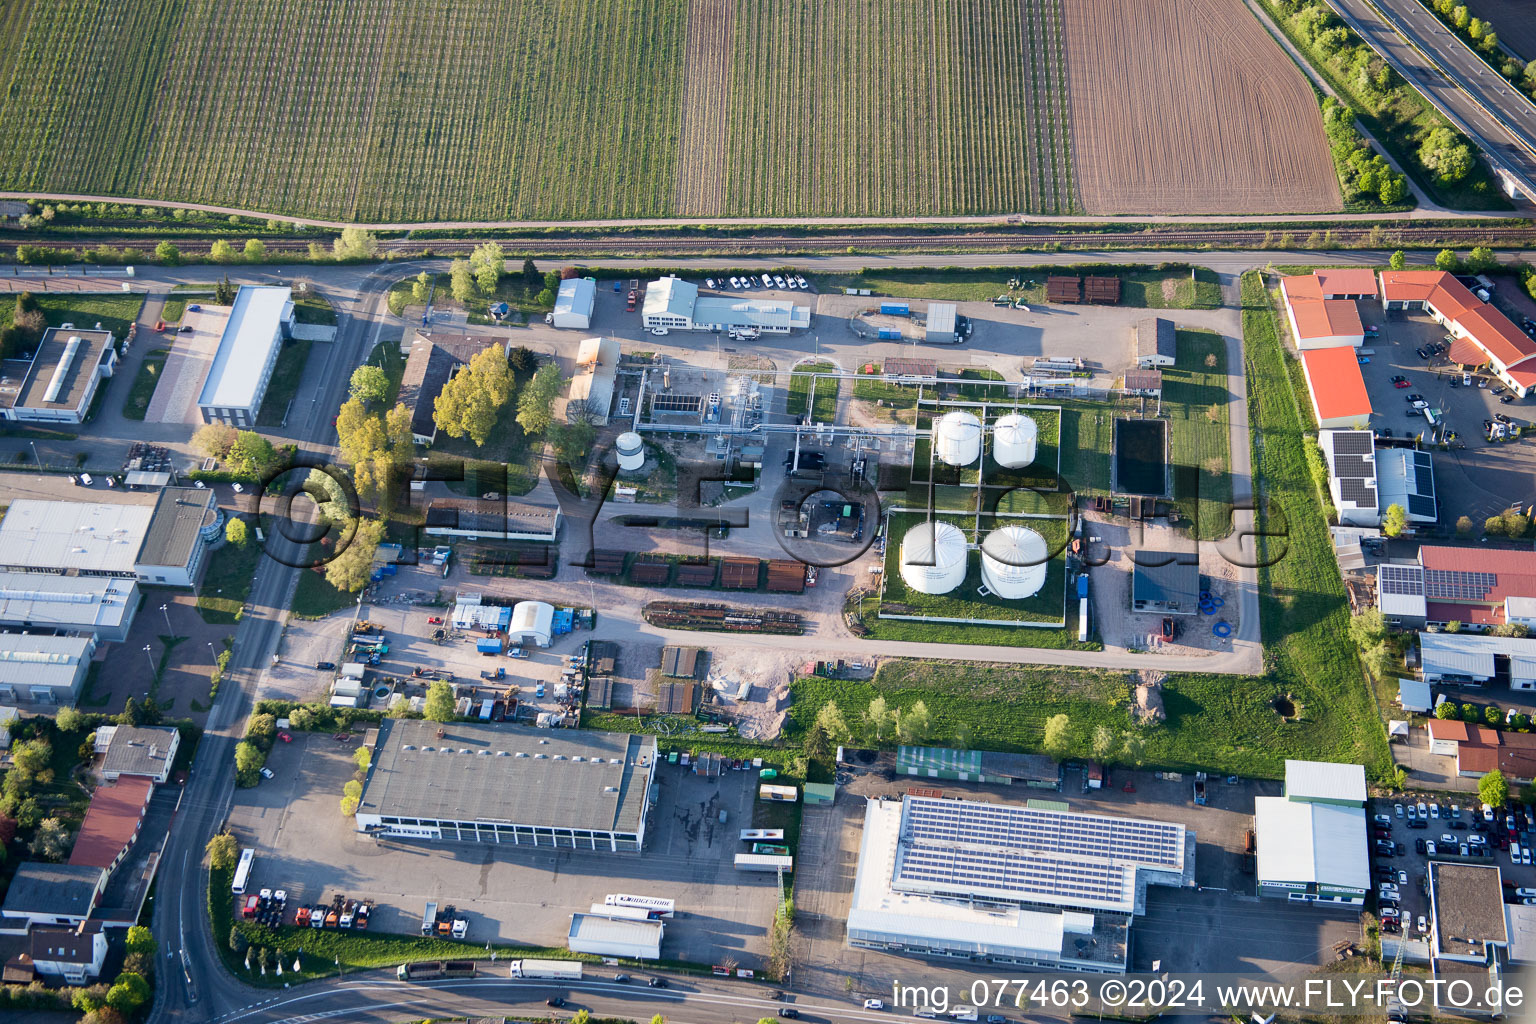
1500	345
112	822
1318	320
1338	392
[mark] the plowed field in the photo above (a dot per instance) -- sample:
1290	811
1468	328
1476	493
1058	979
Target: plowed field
1190	107
701	181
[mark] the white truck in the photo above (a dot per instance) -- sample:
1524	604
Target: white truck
560	970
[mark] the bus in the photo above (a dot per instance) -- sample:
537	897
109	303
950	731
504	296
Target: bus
657	906
243	872
753	834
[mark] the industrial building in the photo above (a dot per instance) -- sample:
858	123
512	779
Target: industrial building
259	321
574	302
942	324
1481	335
1336	389
1474	586
72	537
1406	477
674	304
1351	459
1469	935
112	823
597	367
1461	658
491	519
502	783
620	936
1029	885
52	894
1155	342
185	523
1318	317
1035	771
429	366
59	382
37	669
103	606
1312	841
1165	583
532	623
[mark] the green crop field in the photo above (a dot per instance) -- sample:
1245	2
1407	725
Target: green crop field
485	109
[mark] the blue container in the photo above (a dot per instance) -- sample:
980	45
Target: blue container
895	308
1082	586
889	334
488	646
390	569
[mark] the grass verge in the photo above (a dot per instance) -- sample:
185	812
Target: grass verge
1166	286
286	376
315	598
227	583
136	405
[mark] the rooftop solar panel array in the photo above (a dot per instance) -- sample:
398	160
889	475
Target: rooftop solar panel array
1421	506
1360	492
1352	442
1028	854
1407	580
1352	466
1455	585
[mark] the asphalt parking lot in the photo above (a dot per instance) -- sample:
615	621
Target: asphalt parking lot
1475	477
512	895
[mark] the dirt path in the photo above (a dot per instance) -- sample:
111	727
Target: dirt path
701	170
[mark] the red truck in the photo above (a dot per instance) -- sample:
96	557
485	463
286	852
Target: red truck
252	904
629	303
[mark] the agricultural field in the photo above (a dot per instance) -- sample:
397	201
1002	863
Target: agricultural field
533	109
1191	108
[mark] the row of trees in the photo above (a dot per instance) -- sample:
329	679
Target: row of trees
1363	174
1510	523
1489	715
243	452
351	244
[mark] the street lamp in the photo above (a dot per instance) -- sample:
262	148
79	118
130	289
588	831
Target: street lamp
35	460
151	659
165	609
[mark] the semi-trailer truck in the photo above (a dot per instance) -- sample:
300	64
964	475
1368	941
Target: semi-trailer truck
561	970
427	970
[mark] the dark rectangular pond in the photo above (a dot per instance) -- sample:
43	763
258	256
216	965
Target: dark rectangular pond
1141	457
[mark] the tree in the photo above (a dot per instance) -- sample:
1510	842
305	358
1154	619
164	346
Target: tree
877	717
128	993
352	788
1477	28
263	729
1445	711
1493	526
1520	723
1461	17
350	566
362	757
914	724
1447	155
533	405
236	532
223	292
1516	523
349	806
461	282
1446	260
167	254
471	402
1493	789
141	940
1103	742
139	713
1367	629
251	454
222	251
223	851
104	1015
1398	260
1454	626
531	275
51	840
421	287
255	250
355	244
316	252
369	383
215	440
1380	660
815	744
140	963
439	703
1057	740
1394	189
1134	751
1481	260
248	762
1469	714
1490	41
832	722
582	1017
1395	521
487	263
69	720
572	441
1518	630
1491	715
1465	526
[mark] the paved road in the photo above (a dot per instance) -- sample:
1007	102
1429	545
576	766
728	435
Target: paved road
1474	97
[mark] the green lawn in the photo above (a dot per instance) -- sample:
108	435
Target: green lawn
311	308
824	406
315	597
1170	286
136	405
115	311
286	377
1195	400
227	582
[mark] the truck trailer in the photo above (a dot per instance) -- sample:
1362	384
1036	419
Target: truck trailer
561	970
427	970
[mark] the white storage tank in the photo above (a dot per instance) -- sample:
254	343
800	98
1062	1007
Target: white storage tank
1014	562
1013	441
630	451
957	438
933	557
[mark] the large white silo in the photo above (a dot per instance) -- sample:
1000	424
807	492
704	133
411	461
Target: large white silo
957	438
629	450
1014	562
933	557
1014	438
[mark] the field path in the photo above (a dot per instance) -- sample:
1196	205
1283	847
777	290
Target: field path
1169	116
701	165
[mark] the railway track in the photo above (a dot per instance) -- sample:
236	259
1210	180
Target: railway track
998	240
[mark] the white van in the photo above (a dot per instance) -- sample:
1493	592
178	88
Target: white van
1514	853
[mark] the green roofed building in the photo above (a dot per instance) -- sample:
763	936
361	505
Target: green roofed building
990	766
819	792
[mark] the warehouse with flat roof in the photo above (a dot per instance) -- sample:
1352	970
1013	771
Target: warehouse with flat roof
82	538
185	522
62	378
1311	841
1032	885
43	670
103	606
500	783
605	935
259	320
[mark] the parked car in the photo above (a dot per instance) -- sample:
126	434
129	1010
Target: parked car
1398	809
1384	819
285	737
873	1004
804	284
326	666
1429	848
266	773
1402	878
1418	846
1421	926
709	282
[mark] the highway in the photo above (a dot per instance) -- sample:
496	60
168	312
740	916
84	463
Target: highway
1500	120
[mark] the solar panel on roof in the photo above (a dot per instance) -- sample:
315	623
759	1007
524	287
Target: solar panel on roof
1355	466
1455	585
1352	442
1407	580
1421	506
1358	491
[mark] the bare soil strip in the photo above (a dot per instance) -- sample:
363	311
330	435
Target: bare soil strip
1190	108
701	166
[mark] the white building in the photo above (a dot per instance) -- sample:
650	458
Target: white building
262	316
73	955
674	304
59	382
73	537
1311	841
1475	658
185	523
531	623
927	883
574	302
103	606
43	670
615	936
1351	459
1407	478
143	751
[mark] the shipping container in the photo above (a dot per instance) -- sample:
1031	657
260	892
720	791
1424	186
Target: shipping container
895	308
563	970
763	862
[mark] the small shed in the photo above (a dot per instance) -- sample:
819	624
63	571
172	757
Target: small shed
819	792
941	323
1413	695
1155	342
573	303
